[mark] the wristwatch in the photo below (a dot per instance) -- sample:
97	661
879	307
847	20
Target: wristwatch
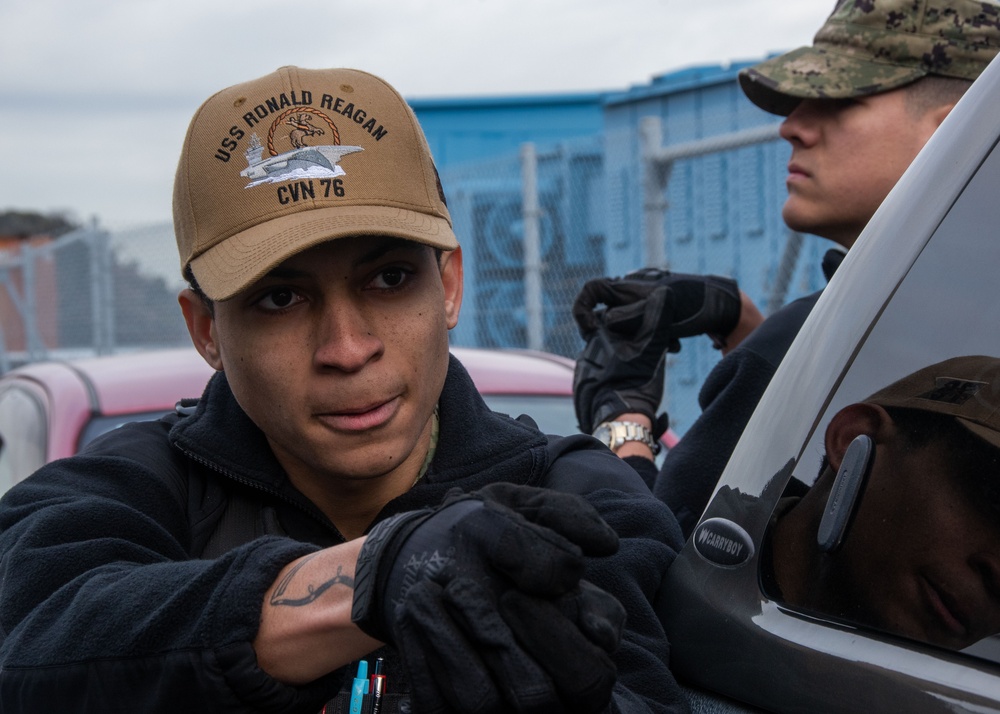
616	433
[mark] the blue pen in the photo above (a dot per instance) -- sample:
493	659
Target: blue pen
359	688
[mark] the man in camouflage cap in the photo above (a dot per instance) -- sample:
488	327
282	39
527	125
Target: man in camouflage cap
864	98
867	47
860	103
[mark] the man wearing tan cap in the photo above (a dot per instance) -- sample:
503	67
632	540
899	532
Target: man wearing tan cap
909	542
860	103
340	491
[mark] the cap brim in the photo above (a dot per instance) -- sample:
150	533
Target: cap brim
990	436
778	85
947	409
241	260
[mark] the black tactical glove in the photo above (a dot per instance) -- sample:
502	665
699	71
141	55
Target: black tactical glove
478	593
646	313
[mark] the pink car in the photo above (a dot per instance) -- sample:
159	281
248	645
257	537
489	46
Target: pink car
48	410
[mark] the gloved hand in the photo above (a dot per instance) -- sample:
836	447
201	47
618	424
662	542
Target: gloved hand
702	304
478	593
647	312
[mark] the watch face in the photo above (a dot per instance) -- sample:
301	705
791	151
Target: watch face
603	432
616	433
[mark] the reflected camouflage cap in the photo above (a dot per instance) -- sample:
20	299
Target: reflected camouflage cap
872	46
967	388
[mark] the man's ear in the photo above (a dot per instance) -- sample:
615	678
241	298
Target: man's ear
452	278
931	119
201	326
938	113
850	422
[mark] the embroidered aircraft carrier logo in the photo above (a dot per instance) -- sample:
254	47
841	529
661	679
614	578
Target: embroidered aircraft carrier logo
307	158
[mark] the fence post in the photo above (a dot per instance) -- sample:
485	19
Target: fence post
654	202
531	215
8	262
4	359
101	290
101	307
786	268
96	297
6	282
34	344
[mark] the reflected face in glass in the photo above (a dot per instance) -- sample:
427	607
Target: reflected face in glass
922	558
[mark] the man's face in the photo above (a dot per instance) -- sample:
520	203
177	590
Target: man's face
846	156
922	558
340	353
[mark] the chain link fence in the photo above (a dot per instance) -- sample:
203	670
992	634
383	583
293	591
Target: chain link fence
89	292
531	227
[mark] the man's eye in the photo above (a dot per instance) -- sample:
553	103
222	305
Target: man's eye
278	299
390	278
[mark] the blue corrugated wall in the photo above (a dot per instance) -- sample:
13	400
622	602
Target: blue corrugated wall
723	210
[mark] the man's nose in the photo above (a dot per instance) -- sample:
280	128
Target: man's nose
346	340
800	125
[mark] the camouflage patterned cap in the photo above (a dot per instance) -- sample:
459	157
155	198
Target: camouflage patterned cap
872	46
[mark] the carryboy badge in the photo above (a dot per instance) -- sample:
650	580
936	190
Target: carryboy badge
723	542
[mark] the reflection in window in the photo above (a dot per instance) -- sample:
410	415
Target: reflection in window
919	554
901	530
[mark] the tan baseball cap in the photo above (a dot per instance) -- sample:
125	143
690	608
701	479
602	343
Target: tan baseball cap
967	388
279	164
871	46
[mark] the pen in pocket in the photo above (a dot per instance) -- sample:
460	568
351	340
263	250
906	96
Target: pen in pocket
377	686
359	687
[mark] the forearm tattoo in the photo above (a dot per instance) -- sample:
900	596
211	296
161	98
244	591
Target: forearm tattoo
313	591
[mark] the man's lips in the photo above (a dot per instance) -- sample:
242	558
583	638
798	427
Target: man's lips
360	418
795	171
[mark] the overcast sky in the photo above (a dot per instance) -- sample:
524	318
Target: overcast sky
95	97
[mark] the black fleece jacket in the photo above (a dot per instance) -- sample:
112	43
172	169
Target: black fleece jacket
728	399
107	605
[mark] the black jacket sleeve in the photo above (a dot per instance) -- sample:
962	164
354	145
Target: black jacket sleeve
649	542
103	610
728	399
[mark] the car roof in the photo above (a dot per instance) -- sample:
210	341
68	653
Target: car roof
157	379
138	381
150	381
517	371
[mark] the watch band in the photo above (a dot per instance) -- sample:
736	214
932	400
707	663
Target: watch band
615	433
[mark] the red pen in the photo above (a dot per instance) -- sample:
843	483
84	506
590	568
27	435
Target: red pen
377	686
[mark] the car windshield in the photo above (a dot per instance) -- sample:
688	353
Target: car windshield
554	414
102	424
